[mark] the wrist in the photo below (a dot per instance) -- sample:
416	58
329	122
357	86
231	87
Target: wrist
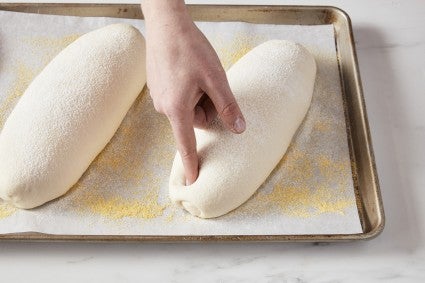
164	10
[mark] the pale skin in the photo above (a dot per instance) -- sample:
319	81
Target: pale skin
186	80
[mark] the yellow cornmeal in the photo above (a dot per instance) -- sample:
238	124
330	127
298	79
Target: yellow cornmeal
6	210
23	77
123	181
24	74
118	207
51	46
169	218
299	193
49	42
322	126
231	52
297	164
296	196
332	170
305	202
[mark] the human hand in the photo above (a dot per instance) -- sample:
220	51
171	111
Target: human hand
186	79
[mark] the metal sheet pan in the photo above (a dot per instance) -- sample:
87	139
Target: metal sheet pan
365	177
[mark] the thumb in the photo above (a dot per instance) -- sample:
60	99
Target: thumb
226	105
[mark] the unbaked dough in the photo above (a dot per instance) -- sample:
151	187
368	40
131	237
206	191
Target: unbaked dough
69	113
273	84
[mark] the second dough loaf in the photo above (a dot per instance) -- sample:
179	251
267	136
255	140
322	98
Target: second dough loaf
273	84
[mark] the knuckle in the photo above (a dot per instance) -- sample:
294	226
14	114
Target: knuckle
187	153
213	76
229	109
173	112
168	102
210	75
174	109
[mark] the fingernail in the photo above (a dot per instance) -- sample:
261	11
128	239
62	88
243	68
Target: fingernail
239	125
187	183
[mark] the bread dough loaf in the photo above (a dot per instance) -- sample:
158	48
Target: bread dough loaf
273	84
69	113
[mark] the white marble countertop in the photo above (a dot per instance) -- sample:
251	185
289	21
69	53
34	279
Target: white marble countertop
390	38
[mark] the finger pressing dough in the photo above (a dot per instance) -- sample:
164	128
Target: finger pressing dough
273	84
69	113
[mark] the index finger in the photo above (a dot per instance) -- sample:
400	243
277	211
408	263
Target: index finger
184	135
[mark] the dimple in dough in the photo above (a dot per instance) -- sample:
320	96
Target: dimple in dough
69	113
273	84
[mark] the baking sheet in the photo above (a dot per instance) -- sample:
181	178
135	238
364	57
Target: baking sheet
124	192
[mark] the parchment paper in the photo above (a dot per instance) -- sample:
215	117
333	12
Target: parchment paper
125	189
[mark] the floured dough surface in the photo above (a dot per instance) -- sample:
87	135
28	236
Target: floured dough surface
69	113
273	84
